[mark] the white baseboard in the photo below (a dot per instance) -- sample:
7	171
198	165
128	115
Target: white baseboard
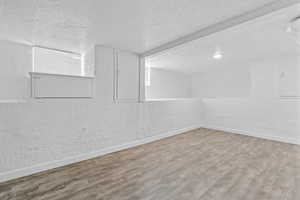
59	163
253	134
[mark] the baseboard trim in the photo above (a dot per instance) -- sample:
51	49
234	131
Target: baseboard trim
59	163
253	134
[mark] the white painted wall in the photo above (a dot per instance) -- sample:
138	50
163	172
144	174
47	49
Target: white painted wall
15	65
40	134
261	112
56	62
168	84
222	83
37	134
126	76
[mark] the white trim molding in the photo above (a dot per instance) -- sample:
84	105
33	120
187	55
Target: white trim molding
254	134
172	99
71	160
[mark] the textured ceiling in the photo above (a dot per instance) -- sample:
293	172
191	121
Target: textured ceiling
262	38
136	25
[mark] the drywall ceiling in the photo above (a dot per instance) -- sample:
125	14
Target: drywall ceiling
262	38
136	25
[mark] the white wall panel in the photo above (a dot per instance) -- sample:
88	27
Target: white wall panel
289	78
126	76
15	62
222	83
56	62
166	84
262	112
61	86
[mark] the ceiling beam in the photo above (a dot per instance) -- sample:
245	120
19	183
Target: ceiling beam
233	21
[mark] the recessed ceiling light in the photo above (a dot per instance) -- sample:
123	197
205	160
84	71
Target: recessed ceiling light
289	29
218	54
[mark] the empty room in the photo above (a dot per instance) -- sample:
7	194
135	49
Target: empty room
150	100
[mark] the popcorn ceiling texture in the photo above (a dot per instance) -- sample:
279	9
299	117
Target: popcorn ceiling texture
137	25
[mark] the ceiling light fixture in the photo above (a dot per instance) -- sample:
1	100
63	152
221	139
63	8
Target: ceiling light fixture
218	54
289	29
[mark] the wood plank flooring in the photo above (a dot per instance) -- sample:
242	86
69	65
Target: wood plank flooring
201	164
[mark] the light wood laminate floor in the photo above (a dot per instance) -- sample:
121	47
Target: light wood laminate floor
201	164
